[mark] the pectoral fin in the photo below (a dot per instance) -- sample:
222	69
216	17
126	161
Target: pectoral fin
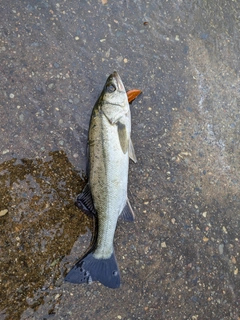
123	136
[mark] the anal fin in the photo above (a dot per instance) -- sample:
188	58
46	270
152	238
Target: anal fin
127	213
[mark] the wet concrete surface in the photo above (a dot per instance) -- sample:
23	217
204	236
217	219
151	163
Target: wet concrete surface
180	259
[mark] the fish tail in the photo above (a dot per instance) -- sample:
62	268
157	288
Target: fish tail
89	269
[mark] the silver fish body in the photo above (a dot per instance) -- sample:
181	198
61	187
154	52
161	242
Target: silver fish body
105	195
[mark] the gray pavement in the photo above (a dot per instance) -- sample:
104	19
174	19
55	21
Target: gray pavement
180	259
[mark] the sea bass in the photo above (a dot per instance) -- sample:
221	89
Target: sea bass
105	195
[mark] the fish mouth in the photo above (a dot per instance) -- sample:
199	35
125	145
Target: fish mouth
119	81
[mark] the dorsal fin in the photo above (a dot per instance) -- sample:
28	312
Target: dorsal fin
85	202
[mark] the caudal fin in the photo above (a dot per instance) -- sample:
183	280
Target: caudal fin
90	269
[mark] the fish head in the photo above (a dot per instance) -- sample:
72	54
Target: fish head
113	101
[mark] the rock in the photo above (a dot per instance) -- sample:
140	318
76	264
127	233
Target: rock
3	212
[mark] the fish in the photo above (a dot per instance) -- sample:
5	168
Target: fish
105	194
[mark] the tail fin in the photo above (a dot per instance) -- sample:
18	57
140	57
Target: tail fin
90	269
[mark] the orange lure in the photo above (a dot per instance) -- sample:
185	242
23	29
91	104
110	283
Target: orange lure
133	94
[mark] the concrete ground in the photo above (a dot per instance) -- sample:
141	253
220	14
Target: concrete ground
180	259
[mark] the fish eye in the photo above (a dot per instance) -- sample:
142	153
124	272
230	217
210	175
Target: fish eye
110	88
